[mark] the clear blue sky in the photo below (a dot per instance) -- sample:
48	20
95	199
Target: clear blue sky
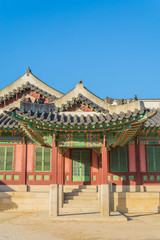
112	45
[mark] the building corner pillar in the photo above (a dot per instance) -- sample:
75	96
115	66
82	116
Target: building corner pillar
24	162
105	167
138	169
105	200
54	200
54	161
105	196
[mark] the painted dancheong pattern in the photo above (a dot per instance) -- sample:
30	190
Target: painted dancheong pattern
43	118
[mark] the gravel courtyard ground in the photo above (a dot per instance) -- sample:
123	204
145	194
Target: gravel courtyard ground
26	226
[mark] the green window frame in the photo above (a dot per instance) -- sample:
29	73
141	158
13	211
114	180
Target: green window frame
153	158
6	158
42	159
119	160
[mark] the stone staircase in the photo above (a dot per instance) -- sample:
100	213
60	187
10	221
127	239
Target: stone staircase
80	199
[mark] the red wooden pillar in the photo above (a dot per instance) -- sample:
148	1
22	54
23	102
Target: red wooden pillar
54	161
24	162
138	171
105	165
60	168
100	169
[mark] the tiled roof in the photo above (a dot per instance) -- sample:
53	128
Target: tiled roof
153	121
6	122
85	101
23	87
74	118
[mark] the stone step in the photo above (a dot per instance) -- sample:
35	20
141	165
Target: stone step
79	205
81	190
81	201
80	186
80	194
78	210
81	197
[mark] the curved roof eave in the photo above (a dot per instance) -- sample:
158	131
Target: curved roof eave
31	78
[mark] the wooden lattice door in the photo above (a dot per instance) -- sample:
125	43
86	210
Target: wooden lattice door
80	165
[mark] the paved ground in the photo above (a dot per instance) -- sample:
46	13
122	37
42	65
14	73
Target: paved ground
27	226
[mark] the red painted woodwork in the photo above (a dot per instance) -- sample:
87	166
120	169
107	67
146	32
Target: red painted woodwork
18	96
42	181
120	181
68	168
94	168
132	157
30	168
24	161
18	157
12	181
60	168
105	162
94	172
16	168
149	181
79	106
143	157
100	169
131	163
146	173
30	157
137	151
69	173
54	167
67	159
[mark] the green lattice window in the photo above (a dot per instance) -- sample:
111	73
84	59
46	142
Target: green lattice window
153	159
6	158
42	159
118	159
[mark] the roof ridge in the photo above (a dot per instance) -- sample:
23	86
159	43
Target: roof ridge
27	85
84	100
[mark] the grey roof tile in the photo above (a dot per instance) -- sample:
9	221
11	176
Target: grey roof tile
23	87
7	122
75	118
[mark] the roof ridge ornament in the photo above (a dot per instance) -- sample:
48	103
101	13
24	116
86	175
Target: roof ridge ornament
135	97
28	71
80	84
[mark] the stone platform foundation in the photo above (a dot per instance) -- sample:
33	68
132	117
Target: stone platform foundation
146	200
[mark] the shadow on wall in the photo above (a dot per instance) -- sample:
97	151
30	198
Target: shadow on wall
6	202
141	201
159	204
121	206
118	199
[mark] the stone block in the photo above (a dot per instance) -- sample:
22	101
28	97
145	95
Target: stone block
139	202
99	196
61	196
38	188
54	200
13	188
105	199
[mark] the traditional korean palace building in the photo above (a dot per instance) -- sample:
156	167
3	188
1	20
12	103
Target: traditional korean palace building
77	138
